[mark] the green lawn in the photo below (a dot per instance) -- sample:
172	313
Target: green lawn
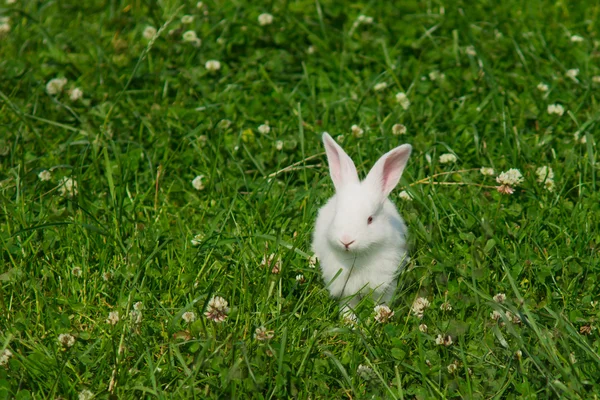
106	241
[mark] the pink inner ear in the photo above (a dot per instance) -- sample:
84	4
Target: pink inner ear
335	165
391	171
392	168
341	167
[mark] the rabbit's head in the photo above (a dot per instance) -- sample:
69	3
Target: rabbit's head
362	221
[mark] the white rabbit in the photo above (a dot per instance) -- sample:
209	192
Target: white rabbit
359	233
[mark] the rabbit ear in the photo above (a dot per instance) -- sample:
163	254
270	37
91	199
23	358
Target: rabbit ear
341	166
386	173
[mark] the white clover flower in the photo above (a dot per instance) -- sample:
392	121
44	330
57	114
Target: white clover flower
512	317
419	306
67	187
55	86
188	316
339	138
66	340
213	65
470	50
572	73
576	39
279	145
312	261
187	19
4	27
487	171
596	79
311	50
556	109
5	357
149	32
197	182
452	367
277	266
586	329
383	313
224	124
76	271
106	276
505	189
365	372
578	138
403	100
436	75
363	19
443	340
447	158
10	2
199	5
518	354
139	306
270	261
197	239
300	278
405	196
264	129
446	306
357	131
85	395
495	315
380	86
423	328
263	335
113	318
549	185
75	94
544	173
398	129
512	177
217	309
542	87
572	358
499	298
191	37
45	175
349	318
265	19
136	317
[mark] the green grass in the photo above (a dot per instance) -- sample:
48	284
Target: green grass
148	124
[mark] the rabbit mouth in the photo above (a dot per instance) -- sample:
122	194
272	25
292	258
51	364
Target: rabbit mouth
343	251
347	248
351	252
357	252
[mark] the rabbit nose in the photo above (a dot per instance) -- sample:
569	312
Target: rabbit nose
346	242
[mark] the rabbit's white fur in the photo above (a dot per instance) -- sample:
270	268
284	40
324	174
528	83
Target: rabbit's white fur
371	263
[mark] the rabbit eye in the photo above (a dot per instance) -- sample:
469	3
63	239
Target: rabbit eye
369	220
